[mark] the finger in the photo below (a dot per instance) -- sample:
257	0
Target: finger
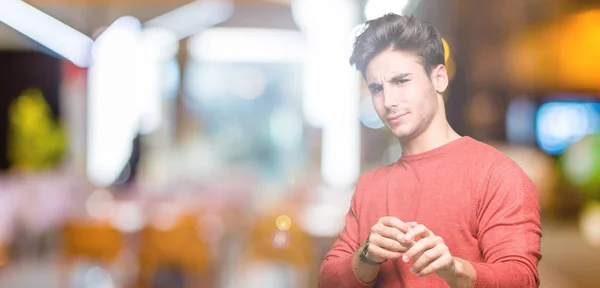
429	256
437	265
404	242
394	222
387	243
420	247
392	233
382	253
387	232
419	230
412	225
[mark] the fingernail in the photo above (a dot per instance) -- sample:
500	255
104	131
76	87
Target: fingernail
412	270
407	237
405	258
419	275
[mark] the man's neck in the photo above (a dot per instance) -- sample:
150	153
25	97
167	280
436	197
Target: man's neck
430	139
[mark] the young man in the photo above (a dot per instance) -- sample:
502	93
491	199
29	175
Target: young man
452	211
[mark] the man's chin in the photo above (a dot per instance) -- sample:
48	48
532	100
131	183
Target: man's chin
405	136
402	132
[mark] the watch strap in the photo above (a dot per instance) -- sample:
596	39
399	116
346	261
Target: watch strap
363	255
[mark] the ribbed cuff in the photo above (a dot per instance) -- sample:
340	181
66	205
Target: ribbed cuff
349	276
484	276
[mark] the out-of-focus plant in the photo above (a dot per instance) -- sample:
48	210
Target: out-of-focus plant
35	140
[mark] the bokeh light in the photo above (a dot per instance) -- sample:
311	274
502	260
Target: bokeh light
128	217
590	224
280	239
98	278
100	204
283	222
560	124
449	60
483	111
165	216
368	114
520	121
581	163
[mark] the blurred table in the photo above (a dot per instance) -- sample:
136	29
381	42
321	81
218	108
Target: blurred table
568	261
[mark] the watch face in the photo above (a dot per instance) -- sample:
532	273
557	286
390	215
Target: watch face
363	253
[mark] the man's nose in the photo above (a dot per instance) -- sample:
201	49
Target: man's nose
389	98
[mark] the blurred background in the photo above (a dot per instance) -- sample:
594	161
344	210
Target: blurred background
217	143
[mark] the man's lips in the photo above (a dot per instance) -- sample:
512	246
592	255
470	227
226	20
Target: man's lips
396	117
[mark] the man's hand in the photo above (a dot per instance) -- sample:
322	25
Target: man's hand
430	253
387	239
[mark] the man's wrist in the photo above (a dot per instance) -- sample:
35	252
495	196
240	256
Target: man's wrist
364	257
462	274
364	272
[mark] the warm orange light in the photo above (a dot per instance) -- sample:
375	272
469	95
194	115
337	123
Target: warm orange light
578	51
562	56
283	222
450	65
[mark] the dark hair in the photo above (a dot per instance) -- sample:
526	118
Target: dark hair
396	32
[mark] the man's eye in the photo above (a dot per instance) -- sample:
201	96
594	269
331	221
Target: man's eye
376	90
402	81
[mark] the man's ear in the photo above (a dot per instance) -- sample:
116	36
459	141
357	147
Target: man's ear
439	77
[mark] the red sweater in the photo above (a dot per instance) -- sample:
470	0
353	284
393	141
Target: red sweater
478	200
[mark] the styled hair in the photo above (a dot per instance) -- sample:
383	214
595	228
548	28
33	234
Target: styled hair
395	32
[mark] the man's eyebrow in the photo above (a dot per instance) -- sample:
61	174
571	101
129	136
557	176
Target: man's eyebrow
399	77
395	78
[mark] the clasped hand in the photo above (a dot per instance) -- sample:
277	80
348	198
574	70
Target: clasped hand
391	238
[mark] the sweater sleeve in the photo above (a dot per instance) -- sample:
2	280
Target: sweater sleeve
509	230
336	269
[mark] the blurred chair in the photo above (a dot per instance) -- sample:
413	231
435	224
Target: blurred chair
285	257
176	248
97	241
3	256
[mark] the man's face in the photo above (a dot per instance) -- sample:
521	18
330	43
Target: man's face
403	94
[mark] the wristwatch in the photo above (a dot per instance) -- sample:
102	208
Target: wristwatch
363	255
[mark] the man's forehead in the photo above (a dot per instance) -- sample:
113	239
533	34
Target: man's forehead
390	63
